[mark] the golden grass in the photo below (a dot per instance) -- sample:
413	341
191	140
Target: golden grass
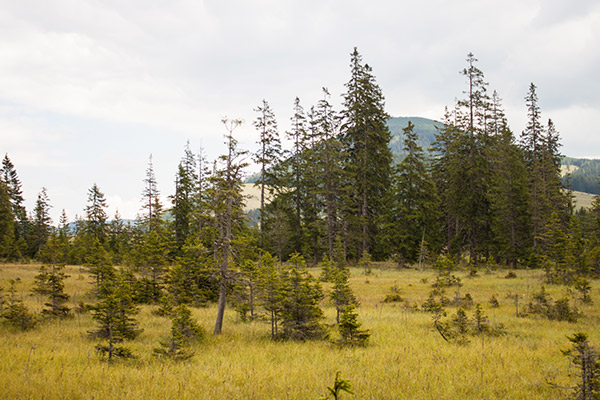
407	358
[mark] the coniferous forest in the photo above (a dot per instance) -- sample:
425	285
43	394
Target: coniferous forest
479	224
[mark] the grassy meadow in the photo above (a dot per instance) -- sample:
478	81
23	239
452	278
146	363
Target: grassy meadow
406	358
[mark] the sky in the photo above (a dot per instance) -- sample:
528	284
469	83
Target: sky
90	89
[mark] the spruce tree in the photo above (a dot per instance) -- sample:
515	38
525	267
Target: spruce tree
96	217
9	176
349	326
300	312
50	282
152	258
41	222
227	206
185	198
269	288
341	294
192	279
329	153
151	200
541	148
509	199
15	313
267	156
114	316
368	159
297	135
184	331
585	358
99	265
7	224
120	238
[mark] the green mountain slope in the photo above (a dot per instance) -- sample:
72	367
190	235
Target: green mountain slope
584	174
425	128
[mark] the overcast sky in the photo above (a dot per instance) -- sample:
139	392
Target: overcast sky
89	89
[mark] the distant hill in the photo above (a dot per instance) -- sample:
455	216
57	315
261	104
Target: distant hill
584	174
425	128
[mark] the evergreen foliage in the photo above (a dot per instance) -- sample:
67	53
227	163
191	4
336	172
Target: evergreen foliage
7	225
96	217
12	185
267	157
414	215
270	291
15	313
114	316
339	385
349	327
300	312
227	203
184	331
584	357
341	294
41	222
368	159
51	283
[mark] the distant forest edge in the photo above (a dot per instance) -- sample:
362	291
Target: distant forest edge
583	172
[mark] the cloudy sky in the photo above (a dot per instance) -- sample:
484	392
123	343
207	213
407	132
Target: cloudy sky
89	89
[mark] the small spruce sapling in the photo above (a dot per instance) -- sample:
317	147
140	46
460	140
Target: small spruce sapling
339	385
585	358
15	313
584	288
342	294
184	330
394	296
114	315
365	263
349	326
51	283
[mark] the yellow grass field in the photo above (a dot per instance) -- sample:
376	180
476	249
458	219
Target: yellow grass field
406	359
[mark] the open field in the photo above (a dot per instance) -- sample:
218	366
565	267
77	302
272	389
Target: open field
407	358
583	200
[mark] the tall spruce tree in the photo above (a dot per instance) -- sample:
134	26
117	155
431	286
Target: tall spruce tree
509	199
297	135
329	151
9	176
462	169
532	139
184	199
267	156
41	222
96	218
227	207
542	156
7	224
368	161
151	200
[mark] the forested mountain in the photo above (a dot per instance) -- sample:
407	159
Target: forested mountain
582	174
425	129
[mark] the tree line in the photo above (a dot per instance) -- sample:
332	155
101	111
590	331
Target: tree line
483	197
